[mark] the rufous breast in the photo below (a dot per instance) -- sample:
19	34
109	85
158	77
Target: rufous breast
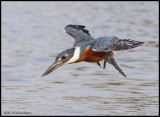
92	56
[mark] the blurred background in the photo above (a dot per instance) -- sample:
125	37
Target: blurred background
32	36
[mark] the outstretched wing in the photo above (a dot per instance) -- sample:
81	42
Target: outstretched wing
112	43
79	33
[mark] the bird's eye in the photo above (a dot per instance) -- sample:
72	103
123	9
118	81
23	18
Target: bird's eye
63	57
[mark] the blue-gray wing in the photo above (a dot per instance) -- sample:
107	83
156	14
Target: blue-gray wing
112	43
79	33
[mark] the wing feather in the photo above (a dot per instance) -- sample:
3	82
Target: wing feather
79	33
112	43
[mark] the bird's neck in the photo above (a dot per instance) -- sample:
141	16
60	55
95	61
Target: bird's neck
76	55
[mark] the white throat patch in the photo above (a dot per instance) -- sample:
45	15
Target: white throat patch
75	56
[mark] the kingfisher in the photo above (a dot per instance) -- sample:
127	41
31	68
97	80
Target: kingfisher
89	49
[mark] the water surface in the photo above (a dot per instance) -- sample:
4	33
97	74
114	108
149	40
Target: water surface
32	36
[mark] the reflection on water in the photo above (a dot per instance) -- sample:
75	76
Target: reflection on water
32	35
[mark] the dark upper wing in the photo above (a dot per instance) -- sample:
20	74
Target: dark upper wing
78	32
113	43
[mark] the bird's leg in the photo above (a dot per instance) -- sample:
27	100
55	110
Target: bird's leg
113	62
99	64
104	65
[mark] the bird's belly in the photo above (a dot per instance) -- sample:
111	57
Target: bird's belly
92	56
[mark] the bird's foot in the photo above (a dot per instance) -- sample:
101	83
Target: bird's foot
104	65
98	63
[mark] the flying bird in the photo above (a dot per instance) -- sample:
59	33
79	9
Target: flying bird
88	49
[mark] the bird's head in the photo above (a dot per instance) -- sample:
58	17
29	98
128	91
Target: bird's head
66	57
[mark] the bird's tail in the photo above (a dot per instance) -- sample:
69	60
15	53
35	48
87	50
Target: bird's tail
113	62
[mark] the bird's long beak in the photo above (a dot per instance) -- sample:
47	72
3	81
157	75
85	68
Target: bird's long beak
54	66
